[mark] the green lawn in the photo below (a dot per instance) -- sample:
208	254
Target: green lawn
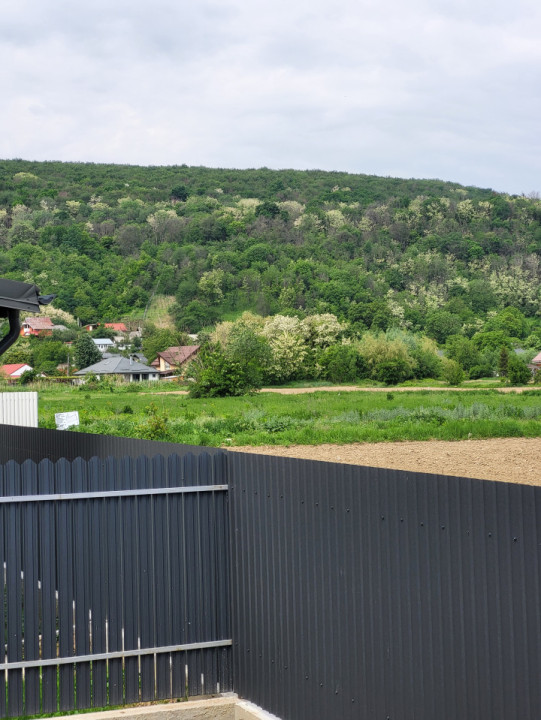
318	417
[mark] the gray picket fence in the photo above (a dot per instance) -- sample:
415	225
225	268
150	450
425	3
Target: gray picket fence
115	582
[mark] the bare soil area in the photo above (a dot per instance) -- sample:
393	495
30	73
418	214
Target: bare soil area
515	460
355	388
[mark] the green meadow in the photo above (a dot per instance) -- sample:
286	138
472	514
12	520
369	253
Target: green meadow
314	418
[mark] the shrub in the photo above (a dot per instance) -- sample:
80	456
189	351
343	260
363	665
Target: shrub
480	371
216	375
28	376
392	372
452	372
518	372
341	363
386	359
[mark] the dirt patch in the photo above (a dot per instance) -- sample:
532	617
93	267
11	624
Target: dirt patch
516	460
354	388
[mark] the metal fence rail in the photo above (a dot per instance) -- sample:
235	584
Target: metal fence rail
362	593
115	582
25	443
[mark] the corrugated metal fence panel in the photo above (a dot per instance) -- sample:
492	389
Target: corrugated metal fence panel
365	594
21	443
19	408
113	574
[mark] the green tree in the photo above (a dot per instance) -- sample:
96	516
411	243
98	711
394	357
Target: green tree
463	350
85	351
492	340
441	323
452	372
518	373
388	359
503	362
157	339
251	350
341	363
179	192
48	354
510	321
215	375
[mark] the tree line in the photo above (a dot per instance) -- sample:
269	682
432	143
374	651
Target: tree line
380	254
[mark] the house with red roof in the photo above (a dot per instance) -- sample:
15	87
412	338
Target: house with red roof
37	326
117	327
14	371
168	362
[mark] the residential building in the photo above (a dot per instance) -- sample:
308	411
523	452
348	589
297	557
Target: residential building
37	326
126	368
14	371
170	361
103	344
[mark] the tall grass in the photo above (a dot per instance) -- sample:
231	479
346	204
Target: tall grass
313	418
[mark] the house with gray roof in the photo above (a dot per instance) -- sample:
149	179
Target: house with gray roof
128	369
103	344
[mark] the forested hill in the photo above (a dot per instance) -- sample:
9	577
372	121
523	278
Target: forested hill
378	252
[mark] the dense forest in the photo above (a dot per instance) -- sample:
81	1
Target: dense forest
416	255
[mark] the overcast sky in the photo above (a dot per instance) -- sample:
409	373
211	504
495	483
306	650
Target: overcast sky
445	89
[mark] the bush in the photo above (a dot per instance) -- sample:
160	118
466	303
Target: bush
452	372
28	376
215	375
392	372
387	359
480	371
341	363
518	372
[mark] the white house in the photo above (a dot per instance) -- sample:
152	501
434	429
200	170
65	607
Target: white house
103	344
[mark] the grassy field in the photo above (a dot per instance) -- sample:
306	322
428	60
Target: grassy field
314	418
157	313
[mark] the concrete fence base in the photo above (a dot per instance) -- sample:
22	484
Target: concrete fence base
227	707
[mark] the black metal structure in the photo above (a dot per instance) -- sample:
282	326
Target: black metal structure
354	593
361	593
14	297
24	443
115	582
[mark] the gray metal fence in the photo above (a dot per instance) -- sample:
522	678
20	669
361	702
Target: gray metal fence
369	594
115	582
354	593
25	443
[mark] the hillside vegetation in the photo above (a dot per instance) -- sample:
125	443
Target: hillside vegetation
379	253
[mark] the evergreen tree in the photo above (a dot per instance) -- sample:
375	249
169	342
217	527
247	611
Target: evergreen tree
503	362
86	352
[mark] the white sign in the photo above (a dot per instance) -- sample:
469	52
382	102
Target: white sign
66	420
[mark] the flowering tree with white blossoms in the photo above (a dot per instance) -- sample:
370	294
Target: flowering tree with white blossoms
322	330
287	337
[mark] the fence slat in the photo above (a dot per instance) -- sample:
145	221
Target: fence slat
3	595
162	532
66	594
147	582
14	595
48	553
131	594
32	702
115	569
81	561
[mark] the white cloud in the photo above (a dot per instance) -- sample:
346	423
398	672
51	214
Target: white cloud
427	88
